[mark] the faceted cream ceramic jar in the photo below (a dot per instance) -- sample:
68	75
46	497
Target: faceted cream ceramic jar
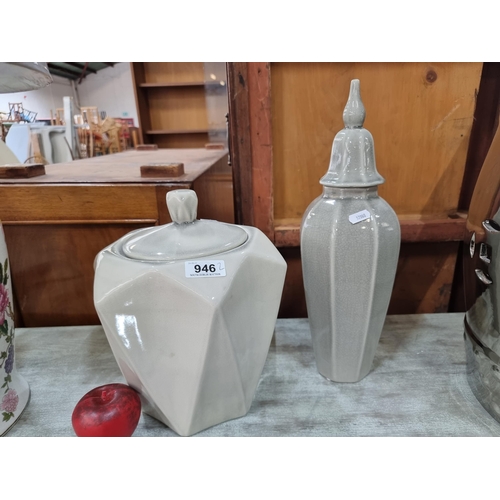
189	310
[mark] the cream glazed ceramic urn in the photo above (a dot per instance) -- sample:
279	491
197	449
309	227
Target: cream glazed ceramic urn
350	240
189	310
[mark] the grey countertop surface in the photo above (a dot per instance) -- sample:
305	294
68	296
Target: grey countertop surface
417	387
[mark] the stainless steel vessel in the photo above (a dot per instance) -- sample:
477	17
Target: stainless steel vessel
482	284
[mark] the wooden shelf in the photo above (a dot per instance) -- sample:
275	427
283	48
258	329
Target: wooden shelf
172	84
413	229
177	131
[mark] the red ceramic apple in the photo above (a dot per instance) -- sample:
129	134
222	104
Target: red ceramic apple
111	410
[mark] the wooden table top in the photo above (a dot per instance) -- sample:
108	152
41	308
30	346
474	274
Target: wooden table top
125	167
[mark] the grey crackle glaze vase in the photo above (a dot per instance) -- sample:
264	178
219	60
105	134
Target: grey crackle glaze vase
350	240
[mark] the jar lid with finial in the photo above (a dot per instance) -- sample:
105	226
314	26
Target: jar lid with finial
352	161
184	238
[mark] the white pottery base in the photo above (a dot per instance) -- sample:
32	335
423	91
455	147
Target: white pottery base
21	387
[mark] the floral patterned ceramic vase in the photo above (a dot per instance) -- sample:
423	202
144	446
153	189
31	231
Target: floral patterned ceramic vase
350	239
14	391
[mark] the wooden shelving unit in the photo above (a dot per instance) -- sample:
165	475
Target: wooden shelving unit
170	100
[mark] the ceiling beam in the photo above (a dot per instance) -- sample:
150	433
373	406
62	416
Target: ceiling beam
55	72
82	76
73	74
109	64
81	66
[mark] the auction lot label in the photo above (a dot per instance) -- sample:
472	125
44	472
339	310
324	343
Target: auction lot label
205	268
359	216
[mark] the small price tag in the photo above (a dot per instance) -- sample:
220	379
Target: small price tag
205	268
359	216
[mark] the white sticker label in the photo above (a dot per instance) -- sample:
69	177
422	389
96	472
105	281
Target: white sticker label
359	216
205	268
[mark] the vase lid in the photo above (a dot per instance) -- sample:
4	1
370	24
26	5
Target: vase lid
352	162
185	237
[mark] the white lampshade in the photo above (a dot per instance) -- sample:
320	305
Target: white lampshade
22	76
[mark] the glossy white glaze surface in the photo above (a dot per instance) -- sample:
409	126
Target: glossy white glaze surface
194	348
350	239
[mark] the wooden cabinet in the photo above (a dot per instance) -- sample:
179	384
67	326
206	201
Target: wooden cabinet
170	99
432	124
57	223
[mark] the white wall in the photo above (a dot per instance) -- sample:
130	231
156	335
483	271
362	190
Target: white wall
40	101
111	90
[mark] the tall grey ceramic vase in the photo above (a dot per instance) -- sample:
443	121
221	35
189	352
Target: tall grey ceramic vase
350	240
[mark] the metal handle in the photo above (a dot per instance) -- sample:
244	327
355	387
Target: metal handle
472	245
485	253
491	226
485	278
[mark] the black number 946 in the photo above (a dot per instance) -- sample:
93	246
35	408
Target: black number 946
206	268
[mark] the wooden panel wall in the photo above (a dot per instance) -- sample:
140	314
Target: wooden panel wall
178	108
54	285
215	193
420	116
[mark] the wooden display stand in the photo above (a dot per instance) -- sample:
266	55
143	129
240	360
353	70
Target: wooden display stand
21	171
284	117
162	170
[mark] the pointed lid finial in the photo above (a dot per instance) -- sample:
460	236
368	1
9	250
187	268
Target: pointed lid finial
352	162
354	111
